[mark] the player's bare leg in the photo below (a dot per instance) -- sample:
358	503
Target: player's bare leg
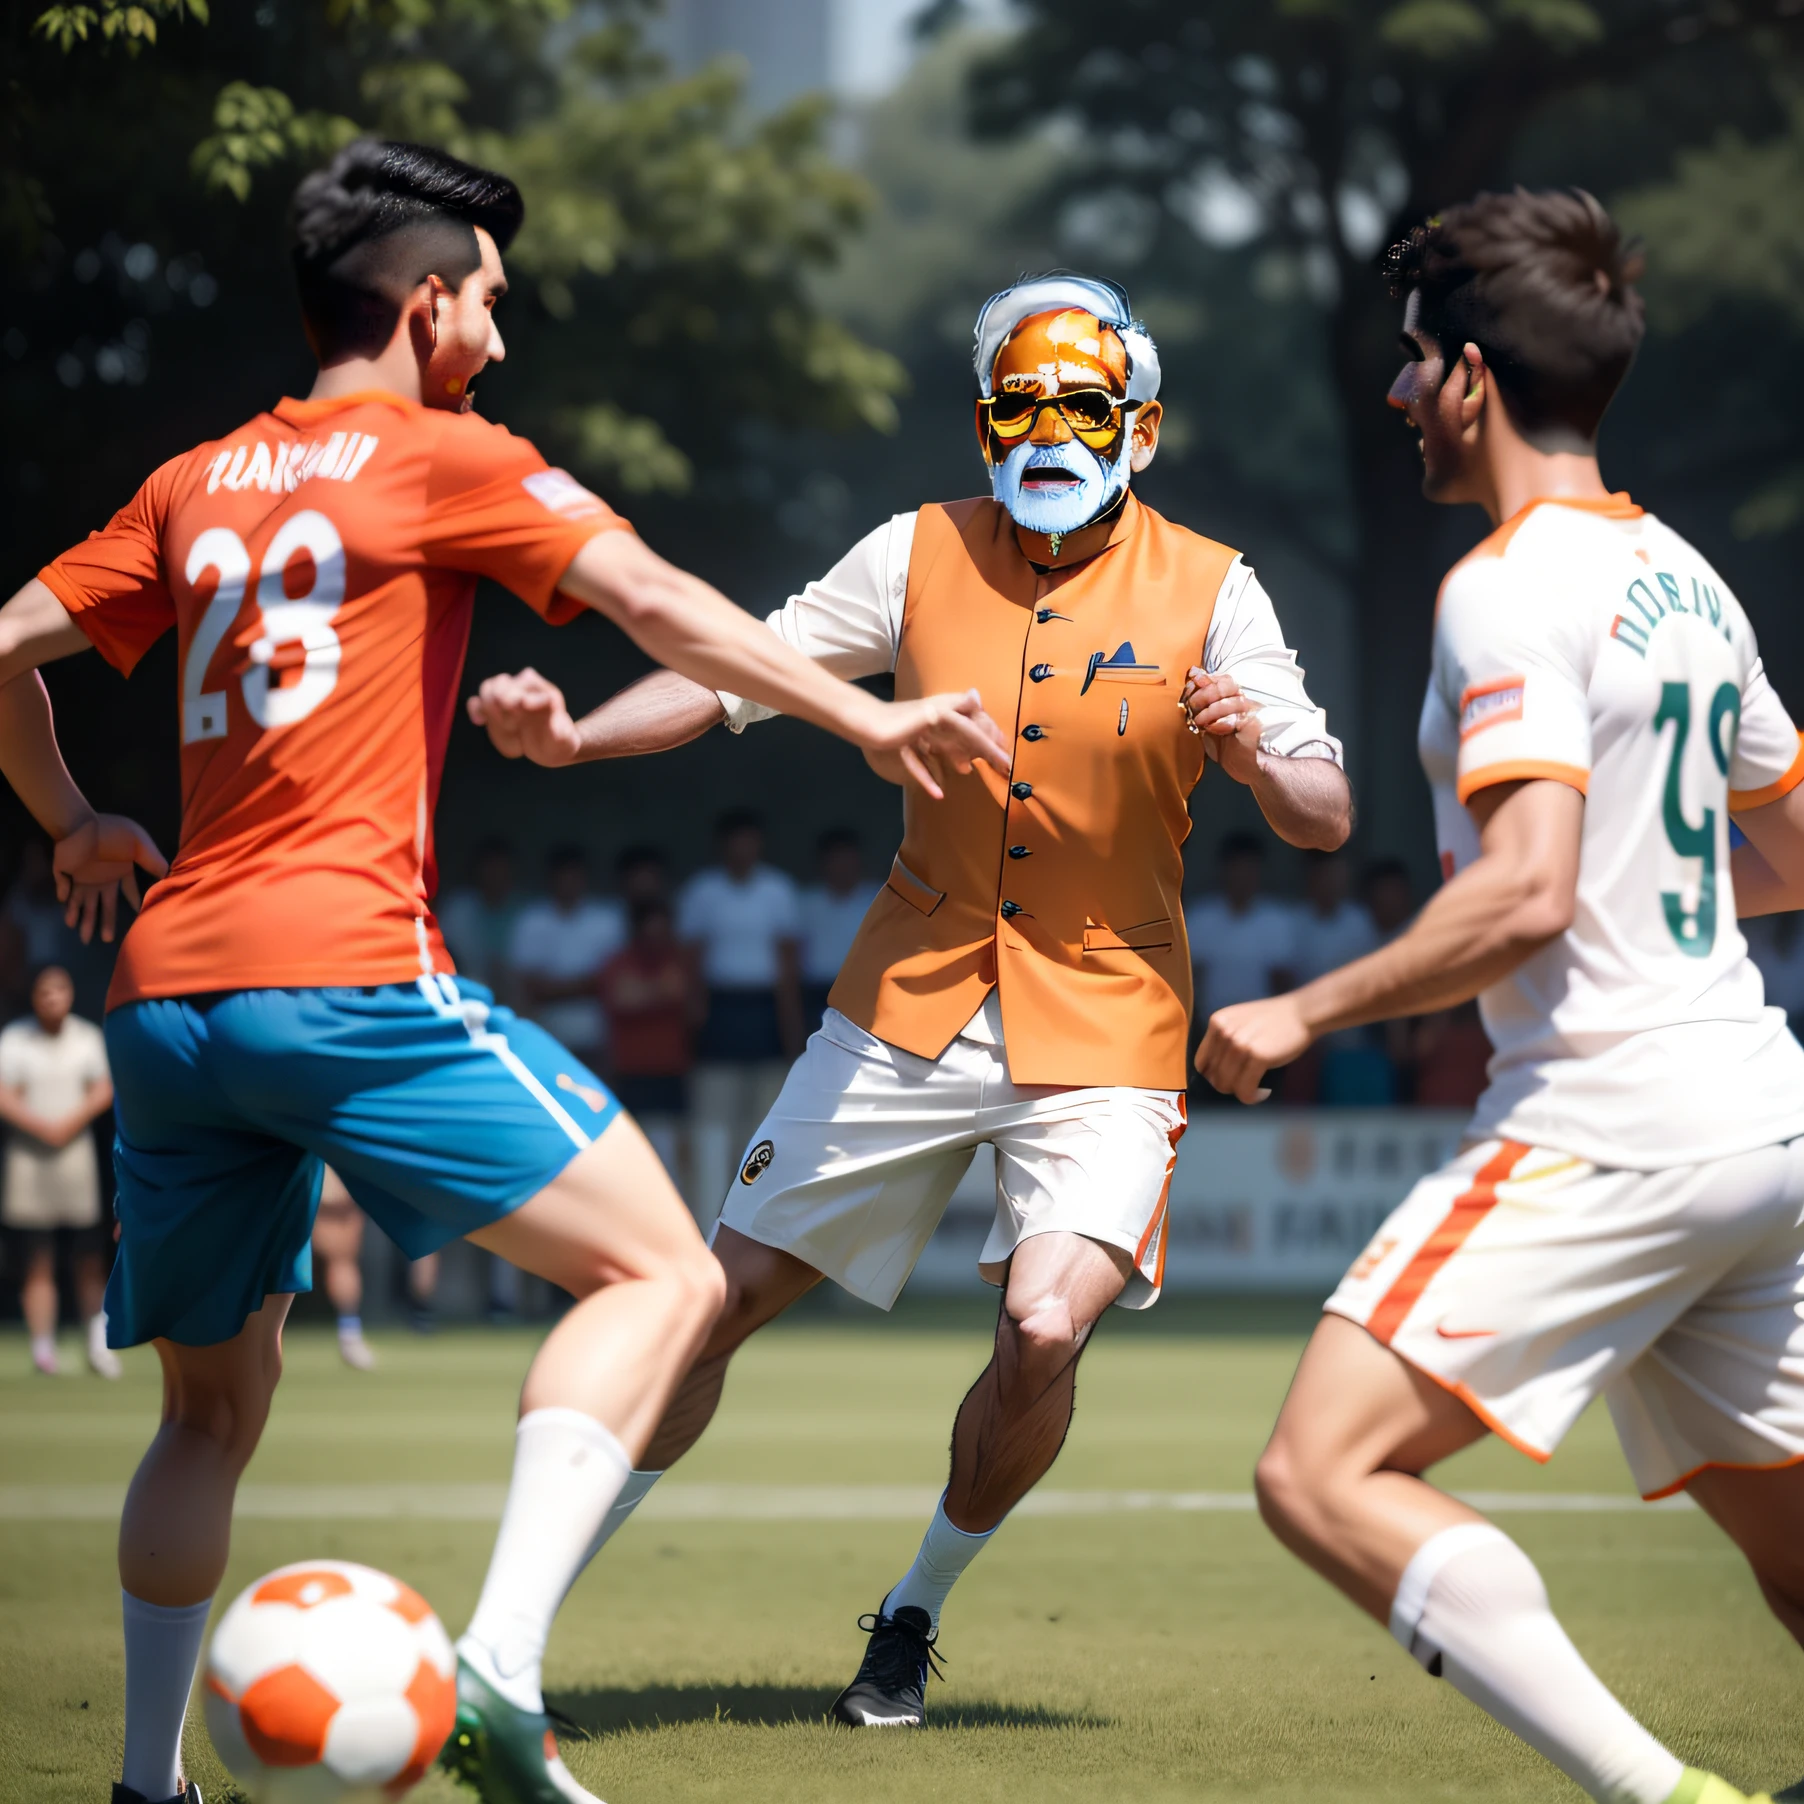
1007	1433
612	1231
176	1530
761	1283
1340	1485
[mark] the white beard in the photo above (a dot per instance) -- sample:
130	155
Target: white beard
1074	505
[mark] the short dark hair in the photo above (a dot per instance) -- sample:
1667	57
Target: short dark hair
1384	870
836	837
375	223
566	856
738	820
635	857
1543	283
1241	845
648	908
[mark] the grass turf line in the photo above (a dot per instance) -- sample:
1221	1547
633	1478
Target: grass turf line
1180	1657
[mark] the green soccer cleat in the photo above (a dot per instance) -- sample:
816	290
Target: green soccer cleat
506	1755
1700	1787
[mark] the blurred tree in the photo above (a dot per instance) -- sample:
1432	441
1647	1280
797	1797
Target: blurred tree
661	335
1312	131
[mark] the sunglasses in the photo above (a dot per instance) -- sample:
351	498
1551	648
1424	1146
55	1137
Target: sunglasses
1093	414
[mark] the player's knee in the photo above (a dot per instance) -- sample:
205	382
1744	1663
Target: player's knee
1046	1333
1285	1489
706	1287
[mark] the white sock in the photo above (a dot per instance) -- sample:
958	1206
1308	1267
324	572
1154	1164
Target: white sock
568	1470
162	1649
43	1346
945	1552
97	1332
632	1494
1471	1607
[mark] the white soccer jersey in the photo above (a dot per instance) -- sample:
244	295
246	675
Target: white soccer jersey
1587	642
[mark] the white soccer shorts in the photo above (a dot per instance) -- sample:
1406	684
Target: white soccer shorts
1527	1281
854	1165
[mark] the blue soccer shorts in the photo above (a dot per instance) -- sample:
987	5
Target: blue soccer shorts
441	1112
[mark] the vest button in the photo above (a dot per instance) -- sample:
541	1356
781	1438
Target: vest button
1021	791
1020	852
1033	733
1010	909
1040	672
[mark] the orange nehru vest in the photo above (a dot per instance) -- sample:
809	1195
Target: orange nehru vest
1061	886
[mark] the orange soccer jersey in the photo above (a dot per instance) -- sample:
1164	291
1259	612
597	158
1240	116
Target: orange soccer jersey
319	566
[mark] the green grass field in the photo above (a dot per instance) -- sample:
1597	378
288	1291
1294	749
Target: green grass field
1115	1653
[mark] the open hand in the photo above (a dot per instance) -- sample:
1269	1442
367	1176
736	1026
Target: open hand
950	727
526	718
94	863
1228	720
1246	1040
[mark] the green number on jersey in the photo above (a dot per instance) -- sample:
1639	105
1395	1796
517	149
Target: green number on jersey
1694	934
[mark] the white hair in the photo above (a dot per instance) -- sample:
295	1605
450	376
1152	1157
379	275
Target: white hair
1004	311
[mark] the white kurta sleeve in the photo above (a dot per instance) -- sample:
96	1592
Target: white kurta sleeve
1244	642
850	620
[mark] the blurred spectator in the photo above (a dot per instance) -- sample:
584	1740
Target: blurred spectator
1776	945
1376	1071
1331	930
338	1251
1451	1053
54	1084
556	952
1390	900
32	907
652	999
832	911
642	874
1242	943
478	920
742	921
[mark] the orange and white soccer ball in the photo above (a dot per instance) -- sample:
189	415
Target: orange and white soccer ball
329	1683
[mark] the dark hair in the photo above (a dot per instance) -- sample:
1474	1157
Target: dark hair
1382	869
566	856
1543	284
375	223
1241	845
836	837
633	857
738	820
492	845
646	908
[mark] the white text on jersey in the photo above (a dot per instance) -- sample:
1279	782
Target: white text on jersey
339	459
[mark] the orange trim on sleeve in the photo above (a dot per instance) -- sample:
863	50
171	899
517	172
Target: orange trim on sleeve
1741	800
1468	1209
1523	770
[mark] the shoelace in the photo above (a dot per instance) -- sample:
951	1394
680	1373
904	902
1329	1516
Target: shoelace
885	1663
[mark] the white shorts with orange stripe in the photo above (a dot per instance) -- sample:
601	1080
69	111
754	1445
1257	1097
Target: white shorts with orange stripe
1527	1282
854	1165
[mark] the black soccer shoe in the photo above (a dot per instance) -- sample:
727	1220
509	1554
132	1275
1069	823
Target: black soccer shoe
890	1691
123	1794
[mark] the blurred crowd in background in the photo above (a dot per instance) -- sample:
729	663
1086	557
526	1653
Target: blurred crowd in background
690	997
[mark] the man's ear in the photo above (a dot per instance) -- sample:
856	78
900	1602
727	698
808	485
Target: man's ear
1477	380
420	312
1144	440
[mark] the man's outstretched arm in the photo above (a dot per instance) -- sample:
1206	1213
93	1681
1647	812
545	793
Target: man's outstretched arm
527	718
1478	927
692	628
95	853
